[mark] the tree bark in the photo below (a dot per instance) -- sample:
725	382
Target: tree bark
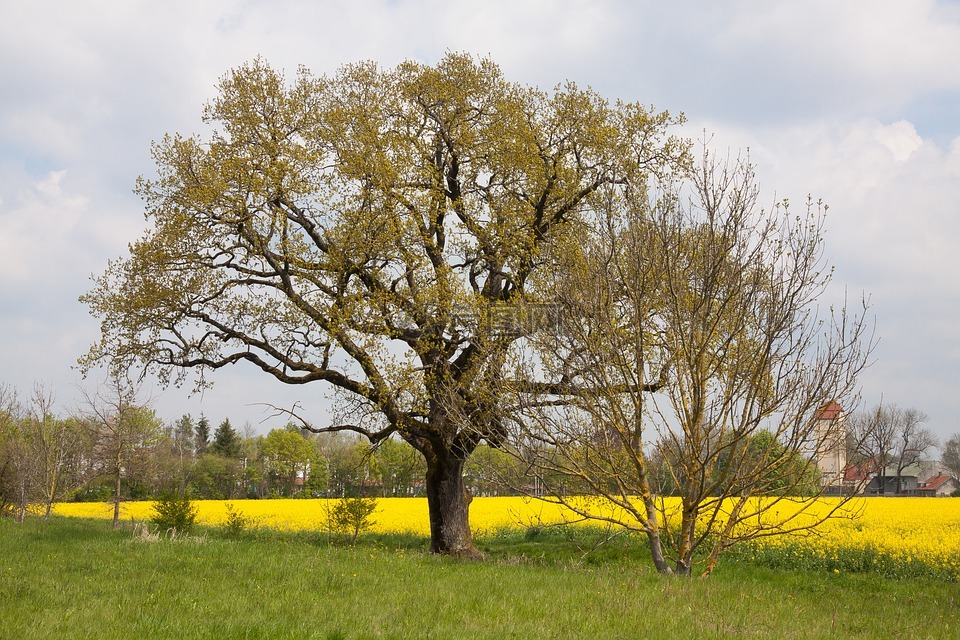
687	532
653	536
116	496
22	507
448	502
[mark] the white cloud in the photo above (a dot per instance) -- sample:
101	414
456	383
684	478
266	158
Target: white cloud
900	138
893	196
821	92
35	221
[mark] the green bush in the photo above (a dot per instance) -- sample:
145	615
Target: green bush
236	522
351	516
174	513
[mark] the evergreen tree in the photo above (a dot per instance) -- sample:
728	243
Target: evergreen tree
202	438
226	440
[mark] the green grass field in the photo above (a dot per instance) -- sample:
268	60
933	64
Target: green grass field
75	578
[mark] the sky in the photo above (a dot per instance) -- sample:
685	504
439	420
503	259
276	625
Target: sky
854	102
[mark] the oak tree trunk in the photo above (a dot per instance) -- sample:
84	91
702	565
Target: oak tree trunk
449	505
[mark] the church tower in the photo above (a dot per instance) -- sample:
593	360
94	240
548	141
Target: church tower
831	449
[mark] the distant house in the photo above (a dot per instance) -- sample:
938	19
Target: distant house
906	484
855	479
939	485
919	479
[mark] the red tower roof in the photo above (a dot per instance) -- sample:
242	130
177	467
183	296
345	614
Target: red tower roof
830	411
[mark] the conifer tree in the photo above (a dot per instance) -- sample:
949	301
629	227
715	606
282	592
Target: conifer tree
226	440
202	435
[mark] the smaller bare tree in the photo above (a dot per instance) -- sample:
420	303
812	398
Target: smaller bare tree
694	353
55	445
872	438
119	424
950	460
914	442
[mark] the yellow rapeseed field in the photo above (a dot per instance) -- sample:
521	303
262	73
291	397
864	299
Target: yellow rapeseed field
887	532
896	535
393	515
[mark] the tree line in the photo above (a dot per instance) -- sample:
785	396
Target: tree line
114	449
45	457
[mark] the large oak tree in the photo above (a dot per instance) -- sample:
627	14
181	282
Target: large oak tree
357	229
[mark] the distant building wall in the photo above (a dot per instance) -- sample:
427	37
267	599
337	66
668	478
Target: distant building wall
830	451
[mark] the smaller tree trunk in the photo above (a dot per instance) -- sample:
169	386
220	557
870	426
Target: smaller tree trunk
51	494
656	552
687	532
22	507
116	498
653	536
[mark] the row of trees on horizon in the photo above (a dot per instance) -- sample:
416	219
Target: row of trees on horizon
114	449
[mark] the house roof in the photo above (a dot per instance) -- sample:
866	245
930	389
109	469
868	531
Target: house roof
934	483
830	411
858	472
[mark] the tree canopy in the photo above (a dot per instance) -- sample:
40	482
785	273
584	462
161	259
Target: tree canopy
361	230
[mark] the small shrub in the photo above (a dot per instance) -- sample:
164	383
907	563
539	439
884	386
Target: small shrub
174	513
236	522
351	516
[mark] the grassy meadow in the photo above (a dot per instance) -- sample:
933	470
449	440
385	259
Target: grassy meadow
78	578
